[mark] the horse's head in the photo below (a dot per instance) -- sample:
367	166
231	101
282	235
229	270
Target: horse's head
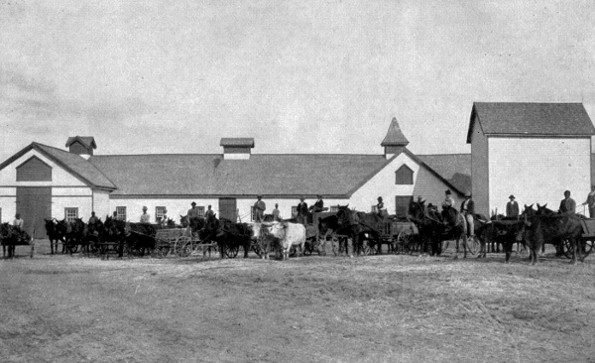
184	220
543	210
417	209
344	215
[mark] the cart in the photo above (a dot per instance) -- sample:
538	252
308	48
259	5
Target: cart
587	241
401	236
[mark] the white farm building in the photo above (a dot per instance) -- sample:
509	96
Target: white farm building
42	181
534	151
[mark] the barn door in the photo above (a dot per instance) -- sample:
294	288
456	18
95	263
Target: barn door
227	208
34	204
402	205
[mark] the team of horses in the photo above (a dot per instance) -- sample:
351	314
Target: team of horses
533	229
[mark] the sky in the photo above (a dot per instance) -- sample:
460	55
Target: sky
297	76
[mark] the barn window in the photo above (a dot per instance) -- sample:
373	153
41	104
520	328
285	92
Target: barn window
404	176
71	214
159	213
402	205
201	211
334	208
294	211
34	169
121	213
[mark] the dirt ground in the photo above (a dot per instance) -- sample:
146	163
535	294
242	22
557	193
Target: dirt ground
396	308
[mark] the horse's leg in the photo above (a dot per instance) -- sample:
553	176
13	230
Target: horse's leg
507	246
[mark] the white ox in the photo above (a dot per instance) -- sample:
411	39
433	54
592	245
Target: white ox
289	234
266	241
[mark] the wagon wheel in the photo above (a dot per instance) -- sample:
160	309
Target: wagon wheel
404	241
472	244
184	246
231	251
255	247
589	245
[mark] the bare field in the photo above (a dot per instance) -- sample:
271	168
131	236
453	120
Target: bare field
331	309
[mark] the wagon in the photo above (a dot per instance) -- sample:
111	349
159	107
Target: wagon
401	236
587	241
180	242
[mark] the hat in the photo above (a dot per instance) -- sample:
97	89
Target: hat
193	203
302	197
318	196
259	196
447	191
511	196
144	207
379	198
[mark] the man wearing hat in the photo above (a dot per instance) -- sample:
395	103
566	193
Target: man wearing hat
318	206
193	212
468	210
259	208
448	201
512	208
145	217
302	211
380	210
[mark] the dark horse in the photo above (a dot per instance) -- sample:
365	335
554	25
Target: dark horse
56	231
360	226
545	226
229	236
10	237
114	230
436	227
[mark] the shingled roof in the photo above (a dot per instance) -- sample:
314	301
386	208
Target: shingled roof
455	168
212	175
530	119
394	136
73	163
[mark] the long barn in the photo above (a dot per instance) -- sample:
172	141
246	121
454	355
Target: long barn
42	181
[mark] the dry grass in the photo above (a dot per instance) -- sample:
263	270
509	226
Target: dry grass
381	308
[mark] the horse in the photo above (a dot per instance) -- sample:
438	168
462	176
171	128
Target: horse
436	227
230	236
56	231
10	237
546	226
359	225
75	234
114	230
140	238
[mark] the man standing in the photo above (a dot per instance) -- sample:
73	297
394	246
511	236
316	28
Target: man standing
512	208
209	213
192	212
93	219
276	213
591	202
380	210
259	208
567	205
145	217
302	211
468	209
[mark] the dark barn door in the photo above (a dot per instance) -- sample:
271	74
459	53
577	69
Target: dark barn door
227	208
34	204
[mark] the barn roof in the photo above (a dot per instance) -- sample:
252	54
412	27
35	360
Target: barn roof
73	163
211	174
332	175
456	168
531	119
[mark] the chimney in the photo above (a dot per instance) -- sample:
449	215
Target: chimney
81	145
238	148
394	142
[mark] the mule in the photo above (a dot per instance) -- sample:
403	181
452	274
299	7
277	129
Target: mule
360	226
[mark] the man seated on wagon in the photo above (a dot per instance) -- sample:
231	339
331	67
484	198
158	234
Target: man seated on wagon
18	222
302	211
93	219
318	206
567	205
192	212
380	210
209	213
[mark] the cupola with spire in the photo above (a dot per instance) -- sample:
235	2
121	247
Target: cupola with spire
394	141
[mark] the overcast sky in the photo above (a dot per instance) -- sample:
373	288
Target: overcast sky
298	76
